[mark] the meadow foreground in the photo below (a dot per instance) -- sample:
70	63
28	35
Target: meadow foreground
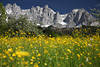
42	51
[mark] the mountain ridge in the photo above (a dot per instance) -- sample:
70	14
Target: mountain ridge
45	16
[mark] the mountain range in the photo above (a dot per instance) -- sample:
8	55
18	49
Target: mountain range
45	16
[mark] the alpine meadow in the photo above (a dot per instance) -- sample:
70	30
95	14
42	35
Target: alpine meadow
42	37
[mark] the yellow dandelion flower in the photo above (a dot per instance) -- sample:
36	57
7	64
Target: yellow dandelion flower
33	57
31	62
11	58
90	62
39	55
26	62
19	56
36	65
69	50
14	54
22	53
10	50
4	56
81	54
7	52
78	56
98	54
31	45
38	62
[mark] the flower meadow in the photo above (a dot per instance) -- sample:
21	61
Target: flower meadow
43	51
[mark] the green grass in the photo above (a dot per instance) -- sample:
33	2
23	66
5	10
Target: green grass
42	51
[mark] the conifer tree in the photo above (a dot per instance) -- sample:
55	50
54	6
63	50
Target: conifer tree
3	25
96	13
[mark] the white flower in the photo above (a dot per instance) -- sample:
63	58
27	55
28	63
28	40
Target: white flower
87	59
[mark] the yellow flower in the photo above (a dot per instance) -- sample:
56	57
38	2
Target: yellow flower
5	63
78	56
45	64
40	44
45	51
0	54
90	62
81	54
38	62
22	53
13	54
66	57
11	58
7	52
98	54
69	50
25	62
31	45
10	50
4	56
39	55
36	65
31	62
19	56
33	57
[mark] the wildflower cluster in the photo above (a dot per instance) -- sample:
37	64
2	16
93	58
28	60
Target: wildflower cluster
43	51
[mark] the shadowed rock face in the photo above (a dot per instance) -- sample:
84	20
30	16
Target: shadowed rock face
46	16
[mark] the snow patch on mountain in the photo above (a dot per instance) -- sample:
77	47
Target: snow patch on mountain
75	10
45	25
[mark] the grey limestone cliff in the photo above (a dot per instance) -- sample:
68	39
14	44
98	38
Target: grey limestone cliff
45	16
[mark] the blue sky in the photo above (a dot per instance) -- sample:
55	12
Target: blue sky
61	6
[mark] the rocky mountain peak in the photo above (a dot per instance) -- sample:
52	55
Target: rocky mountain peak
46	7
46	16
